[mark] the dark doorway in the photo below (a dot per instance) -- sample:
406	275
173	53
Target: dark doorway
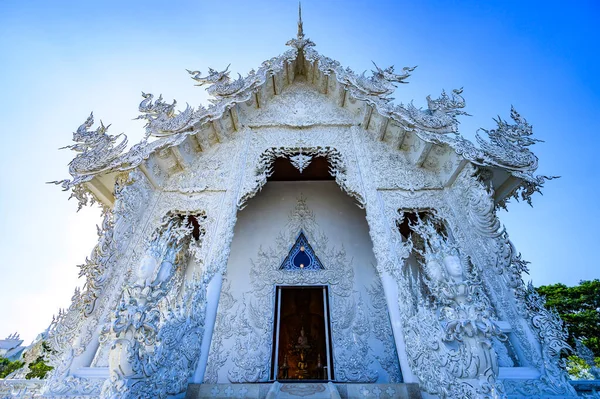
302	345
318	169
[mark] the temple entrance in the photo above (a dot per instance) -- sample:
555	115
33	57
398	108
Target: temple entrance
302	343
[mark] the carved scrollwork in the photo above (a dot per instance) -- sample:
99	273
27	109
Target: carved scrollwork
157	327
251	318
160	116
441	113
265	164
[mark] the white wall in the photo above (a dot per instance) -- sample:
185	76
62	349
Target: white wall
338	232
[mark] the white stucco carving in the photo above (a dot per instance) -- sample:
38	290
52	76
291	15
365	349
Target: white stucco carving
137	327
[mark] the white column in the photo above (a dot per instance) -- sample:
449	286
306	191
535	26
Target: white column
87	356
213	292
390	289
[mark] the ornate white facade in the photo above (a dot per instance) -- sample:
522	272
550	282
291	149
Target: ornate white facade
180	288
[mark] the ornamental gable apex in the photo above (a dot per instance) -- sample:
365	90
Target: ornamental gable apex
301	105
282	91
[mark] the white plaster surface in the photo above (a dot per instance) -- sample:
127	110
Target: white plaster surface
344	228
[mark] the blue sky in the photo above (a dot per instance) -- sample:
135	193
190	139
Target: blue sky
61	60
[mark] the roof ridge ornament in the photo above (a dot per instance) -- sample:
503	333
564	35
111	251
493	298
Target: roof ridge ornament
300	43
300	27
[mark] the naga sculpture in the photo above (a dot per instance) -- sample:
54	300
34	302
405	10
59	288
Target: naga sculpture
161	117
380	85
220	84
440	115
96	148
508	143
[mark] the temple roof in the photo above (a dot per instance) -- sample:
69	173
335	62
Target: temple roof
503	157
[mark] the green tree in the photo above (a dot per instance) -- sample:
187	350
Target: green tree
7	366
579	307
38	368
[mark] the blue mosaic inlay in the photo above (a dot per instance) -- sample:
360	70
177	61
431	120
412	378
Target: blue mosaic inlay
301	256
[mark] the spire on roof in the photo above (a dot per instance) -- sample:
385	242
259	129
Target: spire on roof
300	28
300	42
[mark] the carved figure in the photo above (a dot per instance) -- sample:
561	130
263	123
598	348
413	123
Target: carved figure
381	84
508	143
466	319
96	148
441	113
220	84
161	118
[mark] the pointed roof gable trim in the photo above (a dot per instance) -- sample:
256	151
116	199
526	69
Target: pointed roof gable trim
438	124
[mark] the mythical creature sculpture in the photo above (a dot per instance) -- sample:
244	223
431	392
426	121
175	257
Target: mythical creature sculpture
97	152
161	117
96	148
380	85
465	321
508	143
153	337
220	84
440	115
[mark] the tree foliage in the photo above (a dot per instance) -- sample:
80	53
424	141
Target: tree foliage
38	368
579	307
8	366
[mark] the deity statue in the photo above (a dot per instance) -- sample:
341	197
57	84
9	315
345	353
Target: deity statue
302	340
302	366
463	309
302	336
303	349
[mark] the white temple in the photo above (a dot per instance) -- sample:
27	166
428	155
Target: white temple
304	236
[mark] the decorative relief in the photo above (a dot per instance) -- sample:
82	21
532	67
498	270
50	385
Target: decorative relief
487	241
354	359
383	331
295	107
210	171
156	334
443	315
383	159
264	169
301	161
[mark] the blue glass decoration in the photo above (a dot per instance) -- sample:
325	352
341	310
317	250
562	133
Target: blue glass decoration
301	256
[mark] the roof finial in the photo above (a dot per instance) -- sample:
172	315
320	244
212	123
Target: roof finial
300	29
300	42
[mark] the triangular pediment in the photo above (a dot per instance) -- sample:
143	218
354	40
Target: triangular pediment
301	256
301	105
302	89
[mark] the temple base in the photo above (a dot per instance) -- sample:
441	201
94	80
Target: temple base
303	390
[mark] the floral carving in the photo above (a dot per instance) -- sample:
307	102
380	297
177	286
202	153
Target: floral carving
300	161
150	319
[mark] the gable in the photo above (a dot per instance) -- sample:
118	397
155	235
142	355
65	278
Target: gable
300	105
